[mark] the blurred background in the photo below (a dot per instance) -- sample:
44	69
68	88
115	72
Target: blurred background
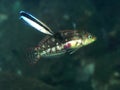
94	67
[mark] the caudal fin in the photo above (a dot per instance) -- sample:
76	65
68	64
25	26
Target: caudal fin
32	55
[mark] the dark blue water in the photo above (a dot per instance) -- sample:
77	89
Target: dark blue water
93	67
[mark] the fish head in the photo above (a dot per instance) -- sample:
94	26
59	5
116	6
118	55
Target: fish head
88	38
79	39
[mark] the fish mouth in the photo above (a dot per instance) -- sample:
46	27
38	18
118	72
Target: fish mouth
94	38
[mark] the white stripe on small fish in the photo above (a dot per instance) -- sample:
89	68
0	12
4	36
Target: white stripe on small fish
35	23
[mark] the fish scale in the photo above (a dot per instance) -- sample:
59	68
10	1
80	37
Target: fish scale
55	43
74	38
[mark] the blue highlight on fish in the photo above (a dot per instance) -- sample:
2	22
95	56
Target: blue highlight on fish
35	23
55	43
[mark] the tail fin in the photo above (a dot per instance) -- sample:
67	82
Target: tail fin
33	55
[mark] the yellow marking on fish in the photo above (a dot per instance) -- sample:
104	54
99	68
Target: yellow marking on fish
73	43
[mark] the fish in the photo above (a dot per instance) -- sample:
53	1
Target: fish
35	23
55	43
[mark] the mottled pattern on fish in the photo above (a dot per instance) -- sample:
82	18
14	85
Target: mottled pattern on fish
50	46
57	43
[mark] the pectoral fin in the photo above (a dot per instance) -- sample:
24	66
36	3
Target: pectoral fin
72	51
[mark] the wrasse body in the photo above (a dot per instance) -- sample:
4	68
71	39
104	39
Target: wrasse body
52	47
55	44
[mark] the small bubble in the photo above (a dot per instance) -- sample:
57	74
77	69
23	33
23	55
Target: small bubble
66	17
19	72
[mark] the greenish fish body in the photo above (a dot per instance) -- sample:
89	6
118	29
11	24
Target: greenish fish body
52	47
55	43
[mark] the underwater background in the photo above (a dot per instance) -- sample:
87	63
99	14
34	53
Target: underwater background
93	67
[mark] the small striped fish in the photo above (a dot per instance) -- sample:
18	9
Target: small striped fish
55	44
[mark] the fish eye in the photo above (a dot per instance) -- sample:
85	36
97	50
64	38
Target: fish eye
89	36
